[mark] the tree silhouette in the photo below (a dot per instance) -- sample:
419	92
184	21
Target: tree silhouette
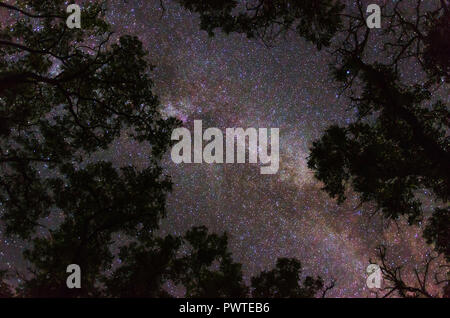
199	262
436	232
437	47
284	282
208	269
65	96
202	267
145	269
421	286
398	144
316	21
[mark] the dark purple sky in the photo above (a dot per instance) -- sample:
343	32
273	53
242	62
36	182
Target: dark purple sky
231	81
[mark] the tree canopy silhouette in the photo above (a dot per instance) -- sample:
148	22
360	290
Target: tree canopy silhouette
282	282
398	145
199	262
316	21
65	96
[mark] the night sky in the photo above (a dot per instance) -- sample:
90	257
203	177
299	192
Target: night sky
231	81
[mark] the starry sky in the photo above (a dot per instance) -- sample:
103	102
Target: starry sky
231	81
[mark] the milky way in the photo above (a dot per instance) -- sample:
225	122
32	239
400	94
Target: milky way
231	81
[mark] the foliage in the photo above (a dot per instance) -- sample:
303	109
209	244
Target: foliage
65	96
283	282
398	145
316	21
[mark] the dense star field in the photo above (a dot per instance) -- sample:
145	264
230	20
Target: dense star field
232	81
